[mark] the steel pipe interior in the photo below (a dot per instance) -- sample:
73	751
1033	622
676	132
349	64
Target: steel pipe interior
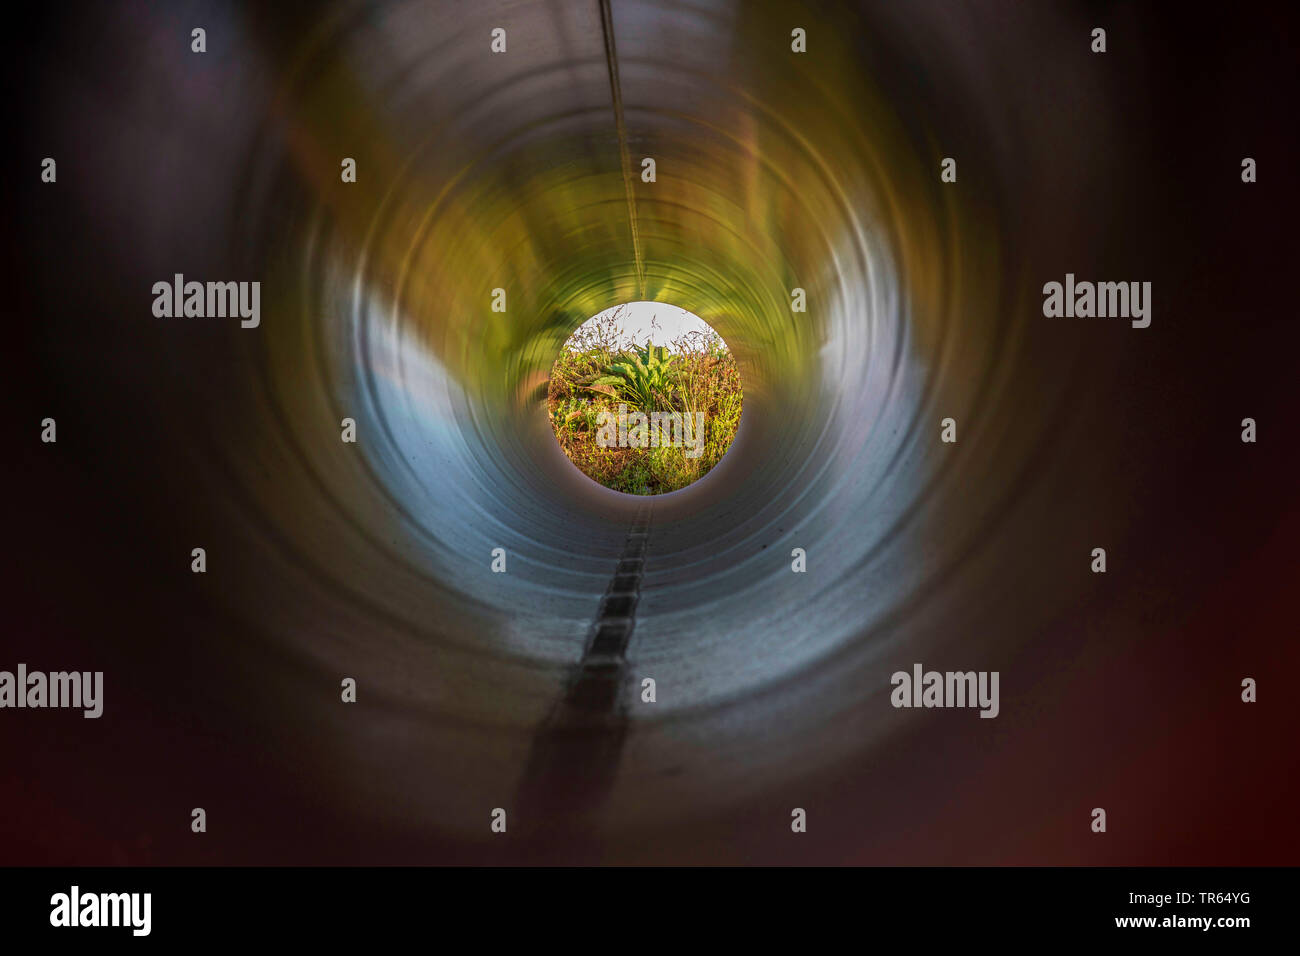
477	171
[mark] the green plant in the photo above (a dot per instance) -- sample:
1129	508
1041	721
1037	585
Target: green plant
644	377
700	377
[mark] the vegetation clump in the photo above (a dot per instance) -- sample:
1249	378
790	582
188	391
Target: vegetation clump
598	377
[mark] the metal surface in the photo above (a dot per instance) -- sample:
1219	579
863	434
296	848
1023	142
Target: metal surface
479	171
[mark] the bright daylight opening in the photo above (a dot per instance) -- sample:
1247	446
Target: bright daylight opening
645	398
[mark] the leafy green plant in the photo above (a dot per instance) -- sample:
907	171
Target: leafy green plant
645	377
700	376
574	414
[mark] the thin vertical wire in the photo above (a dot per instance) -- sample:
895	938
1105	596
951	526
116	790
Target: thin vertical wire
615	88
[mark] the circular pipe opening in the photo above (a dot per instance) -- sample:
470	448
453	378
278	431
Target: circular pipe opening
645	398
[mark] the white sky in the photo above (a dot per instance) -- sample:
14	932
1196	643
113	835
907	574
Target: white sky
661	322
